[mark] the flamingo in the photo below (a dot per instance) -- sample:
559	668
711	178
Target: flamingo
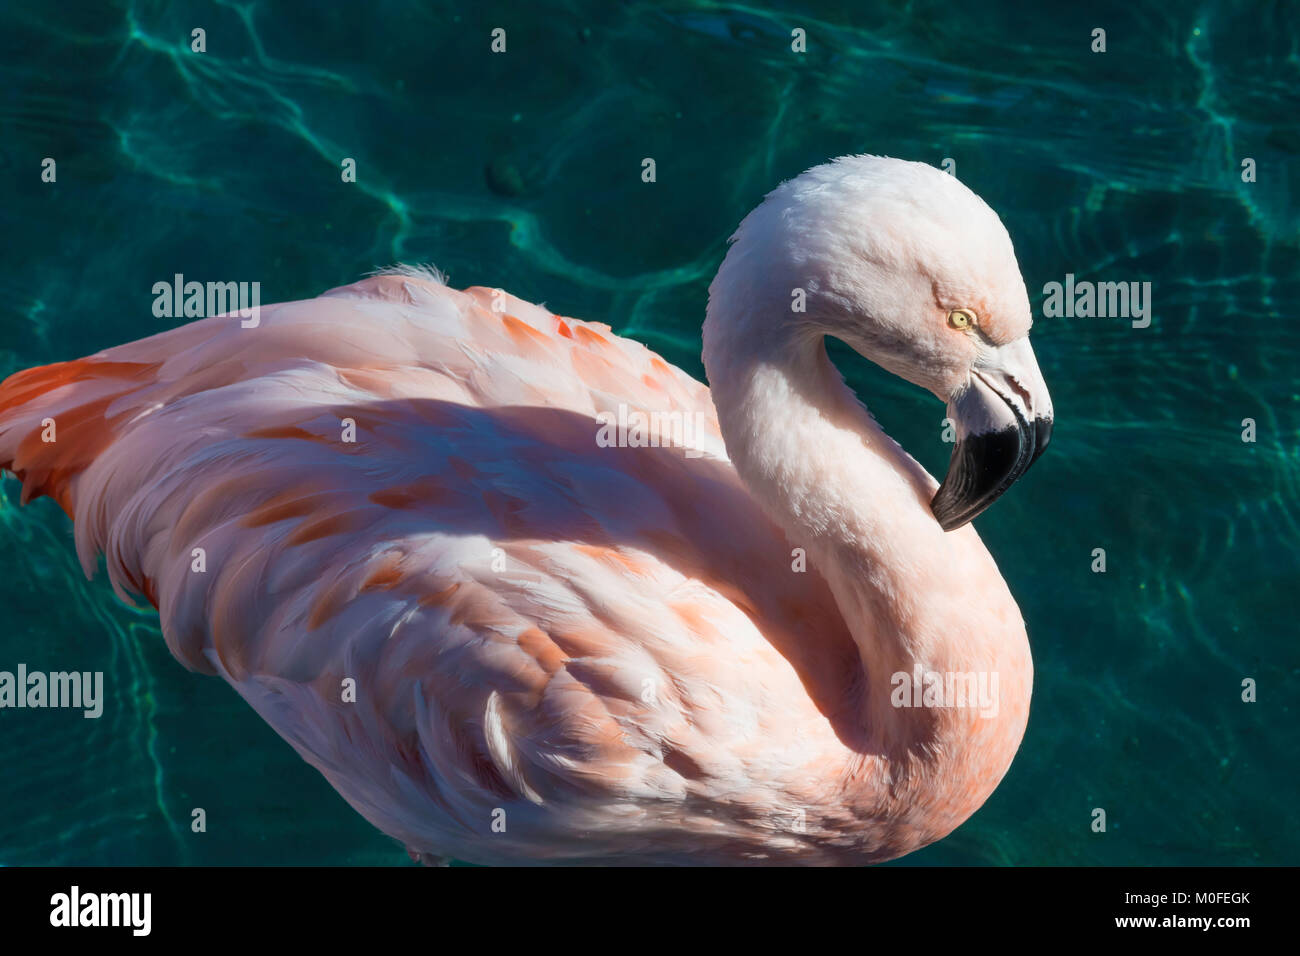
504	641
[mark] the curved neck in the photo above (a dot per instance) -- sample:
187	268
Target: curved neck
913	596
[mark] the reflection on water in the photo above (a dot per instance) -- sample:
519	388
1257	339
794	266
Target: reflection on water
523	170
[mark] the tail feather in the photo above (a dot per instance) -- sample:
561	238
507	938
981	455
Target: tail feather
55	420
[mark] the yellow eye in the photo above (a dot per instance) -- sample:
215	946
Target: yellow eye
961	318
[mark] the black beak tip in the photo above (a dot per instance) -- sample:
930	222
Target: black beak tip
949	519
983	467
1042	435
956	520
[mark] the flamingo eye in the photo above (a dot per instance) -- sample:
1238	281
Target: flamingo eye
961	318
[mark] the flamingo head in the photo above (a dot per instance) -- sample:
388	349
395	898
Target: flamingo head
909	267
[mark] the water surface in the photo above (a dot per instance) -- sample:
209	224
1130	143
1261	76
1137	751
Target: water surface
523	170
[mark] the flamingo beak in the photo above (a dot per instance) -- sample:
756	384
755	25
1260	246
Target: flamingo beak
1003	416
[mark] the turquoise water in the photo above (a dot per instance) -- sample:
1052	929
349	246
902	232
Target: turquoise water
523	170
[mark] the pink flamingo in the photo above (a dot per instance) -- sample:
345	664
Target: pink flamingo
387	517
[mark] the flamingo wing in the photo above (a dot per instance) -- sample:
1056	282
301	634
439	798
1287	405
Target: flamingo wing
383	516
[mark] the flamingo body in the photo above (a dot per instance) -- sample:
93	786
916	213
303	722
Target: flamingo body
559	651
